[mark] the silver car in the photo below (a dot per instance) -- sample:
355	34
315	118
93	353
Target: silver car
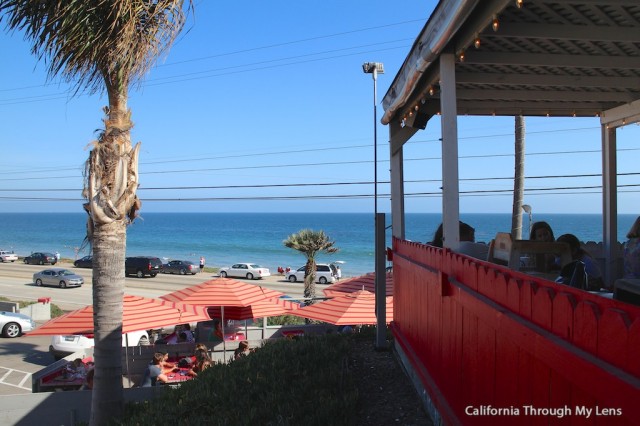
14	324
58	277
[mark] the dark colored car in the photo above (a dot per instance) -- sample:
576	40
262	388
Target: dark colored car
181	267
141	266
39	258
85	262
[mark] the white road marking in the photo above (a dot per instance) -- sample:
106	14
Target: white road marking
11	372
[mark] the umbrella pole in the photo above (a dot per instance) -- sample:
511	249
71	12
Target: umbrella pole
224	341
126	357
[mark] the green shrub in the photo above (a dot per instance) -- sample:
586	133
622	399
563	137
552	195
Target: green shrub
286	382
285	320
55	309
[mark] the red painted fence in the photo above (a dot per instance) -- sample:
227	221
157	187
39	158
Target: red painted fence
496	346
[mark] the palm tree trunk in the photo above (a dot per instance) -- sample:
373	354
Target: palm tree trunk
109	247
310	281
112	180
518	181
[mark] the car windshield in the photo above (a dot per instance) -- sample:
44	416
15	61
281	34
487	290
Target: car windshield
65	272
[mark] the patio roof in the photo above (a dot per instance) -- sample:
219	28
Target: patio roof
532	58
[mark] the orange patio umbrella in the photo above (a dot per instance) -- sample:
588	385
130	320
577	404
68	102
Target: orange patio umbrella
363	282
347	309
139	313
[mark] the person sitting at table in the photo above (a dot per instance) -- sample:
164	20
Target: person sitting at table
632	252
166	366
186	329
216	333
154	374
592	270
467	233
203	361
77	366
88	381
541	231
242	350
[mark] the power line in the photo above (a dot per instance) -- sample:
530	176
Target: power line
293	185
324	149
505	192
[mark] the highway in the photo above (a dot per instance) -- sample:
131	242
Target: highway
16	283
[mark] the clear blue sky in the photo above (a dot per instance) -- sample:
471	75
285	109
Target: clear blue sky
273	94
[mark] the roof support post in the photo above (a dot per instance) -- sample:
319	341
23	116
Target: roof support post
609	202
449	123
397	178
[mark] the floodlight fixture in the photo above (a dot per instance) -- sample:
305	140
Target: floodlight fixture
370	67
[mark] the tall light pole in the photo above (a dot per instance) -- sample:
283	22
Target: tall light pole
374	68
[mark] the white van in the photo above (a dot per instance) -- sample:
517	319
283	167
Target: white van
324	274
62	345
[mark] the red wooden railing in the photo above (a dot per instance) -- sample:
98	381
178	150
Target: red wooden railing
480	335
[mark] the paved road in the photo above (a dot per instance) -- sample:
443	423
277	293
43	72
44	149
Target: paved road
16	283
21	357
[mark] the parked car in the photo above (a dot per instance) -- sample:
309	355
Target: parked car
249	271
39	258
63	345
13	324
8	256
58	277
324	274
84	262
181	267
140	266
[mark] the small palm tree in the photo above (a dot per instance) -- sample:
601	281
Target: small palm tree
104	46
310	243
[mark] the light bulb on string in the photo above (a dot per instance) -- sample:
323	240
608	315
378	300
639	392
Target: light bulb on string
476	43
495	24
519	3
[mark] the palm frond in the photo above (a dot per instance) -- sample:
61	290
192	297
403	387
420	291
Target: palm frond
92	42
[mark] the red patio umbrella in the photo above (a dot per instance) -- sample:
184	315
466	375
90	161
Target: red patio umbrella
222	292
347	309
259	309
363	282
139	313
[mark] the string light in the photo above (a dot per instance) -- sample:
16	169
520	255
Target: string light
476	43
416	107
431	91
495	24
519	3
461	56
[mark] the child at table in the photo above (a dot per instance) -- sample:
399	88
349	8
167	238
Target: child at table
154	374
166	366
203	361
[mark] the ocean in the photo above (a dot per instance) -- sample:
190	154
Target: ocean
226	238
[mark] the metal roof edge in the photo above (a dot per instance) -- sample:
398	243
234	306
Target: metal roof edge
437	32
